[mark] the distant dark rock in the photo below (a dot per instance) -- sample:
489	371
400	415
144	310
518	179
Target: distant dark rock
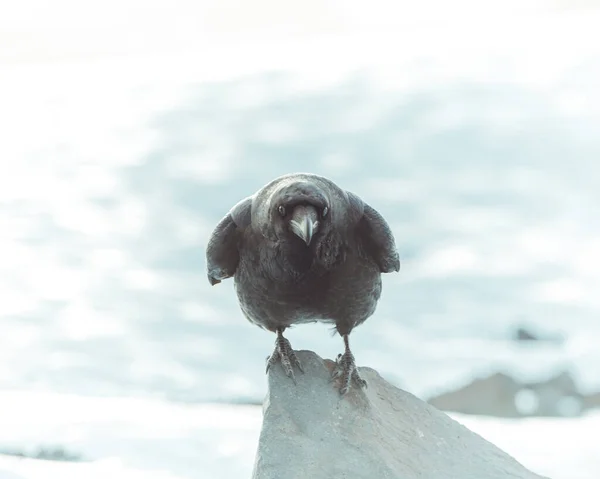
557	396
523	334
491	396
382	432
502	396
591	401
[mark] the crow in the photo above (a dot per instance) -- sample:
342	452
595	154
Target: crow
300	250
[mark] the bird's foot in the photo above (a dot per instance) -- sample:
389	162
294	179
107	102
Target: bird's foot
347	370
285	354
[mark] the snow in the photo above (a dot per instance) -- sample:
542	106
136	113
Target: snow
135	437
129	435
556	448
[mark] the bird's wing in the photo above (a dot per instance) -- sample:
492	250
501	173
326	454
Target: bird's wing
376	237
222	254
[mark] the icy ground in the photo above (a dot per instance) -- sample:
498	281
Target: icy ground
147	438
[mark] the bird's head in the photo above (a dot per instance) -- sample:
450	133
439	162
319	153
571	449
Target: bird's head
300	210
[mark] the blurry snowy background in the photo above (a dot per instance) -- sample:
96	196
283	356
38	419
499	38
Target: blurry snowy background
128	129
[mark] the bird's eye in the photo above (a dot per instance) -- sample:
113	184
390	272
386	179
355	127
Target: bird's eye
281	210
325	211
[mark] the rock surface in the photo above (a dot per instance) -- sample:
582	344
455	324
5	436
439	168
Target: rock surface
310	432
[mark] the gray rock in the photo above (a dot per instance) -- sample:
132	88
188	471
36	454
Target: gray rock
501	395
310	432
491	396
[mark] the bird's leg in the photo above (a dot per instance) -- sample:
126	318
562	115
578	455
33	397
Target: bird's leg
346	368
285	354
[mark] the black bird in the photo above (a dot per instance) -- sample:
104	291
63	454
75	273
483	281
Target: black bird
302	250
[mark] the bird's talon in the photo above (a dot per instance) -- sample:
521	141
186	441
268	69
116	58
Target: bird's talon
267	364
271	360
284	354
347	370
360	382
289	372
295	361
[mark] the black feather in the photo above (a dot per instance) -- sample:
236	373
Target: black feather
281	281
222	252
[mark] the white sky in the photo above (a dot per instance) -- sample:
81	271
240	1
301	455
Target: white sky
233	15
32	29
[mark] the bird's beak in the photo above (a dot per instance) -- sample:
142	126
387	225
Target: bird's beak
304	222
